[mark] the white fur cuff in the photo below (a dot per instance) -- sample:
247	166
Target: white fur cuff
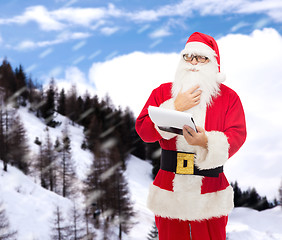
216	154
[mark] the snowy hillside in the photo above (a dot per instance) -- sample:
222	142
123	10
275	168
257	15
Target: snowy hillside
29	207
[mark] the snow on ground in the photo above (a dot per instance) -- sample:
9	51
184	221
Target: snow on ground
36	128
139	175
249	224
29	207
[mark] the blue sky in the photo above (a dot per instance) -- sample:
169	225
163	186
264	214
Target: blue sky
46	37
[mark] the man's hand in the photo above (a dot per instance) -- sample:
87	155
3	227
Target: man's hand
188	99
195	138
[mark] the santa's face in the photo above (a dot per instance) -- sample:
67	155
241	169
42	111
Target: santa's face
192	71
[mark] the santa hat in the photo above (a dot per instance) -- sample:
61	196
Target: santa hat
205	45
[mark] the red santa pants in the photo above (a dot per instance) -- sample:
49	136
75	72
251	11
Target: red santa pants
175	229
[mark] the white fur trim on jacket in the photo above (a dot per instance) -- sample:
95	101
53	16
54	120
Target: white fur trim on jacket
216	153
191	205
169	104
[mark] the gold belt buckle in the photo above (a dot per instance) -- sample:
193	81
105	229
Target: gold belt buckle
185	163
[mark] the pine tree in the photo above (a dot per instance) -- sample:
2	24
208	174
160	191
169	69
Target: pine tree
62	103
41	165
60	230
77	230
36	98
87	111
153	235
6	116
18	149
48	108
280	194
47	164
93	134
237	194
31	89
71	104
94	191
90	233
8	81
153	153
66	168
3	148
5	232
78	109
21	86
122	206
250	198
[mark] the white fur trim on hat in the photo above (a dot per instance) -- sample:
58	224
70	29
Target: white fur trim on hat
216	153
191	205
200	48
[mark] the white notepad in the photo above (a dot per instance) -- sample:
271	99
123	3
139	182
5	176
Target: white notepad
171	120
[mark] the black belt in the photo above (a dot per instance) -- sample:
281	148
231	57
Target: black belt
183	163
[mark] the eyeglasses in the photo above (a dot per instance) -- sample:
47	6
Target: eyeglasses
199	59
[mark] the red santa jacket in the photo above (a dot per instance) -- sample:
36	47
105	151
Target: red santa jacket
191	197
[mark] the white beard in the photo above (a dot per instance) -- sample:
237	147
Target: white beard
206	77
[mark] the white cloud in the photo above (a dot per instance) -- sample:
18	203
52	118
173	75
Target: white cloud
38	14
79	16
129	79
77	35
109	30
52	20
261	6
252	65
159	33
73	76
187	8
56	71
27	44
93	18
62	37
65	17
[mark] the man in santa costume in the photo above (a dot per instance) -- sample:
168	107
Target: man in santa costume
190	196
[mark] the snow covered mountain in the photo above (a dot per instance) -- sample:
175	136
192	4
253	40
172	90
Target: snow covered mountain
29	207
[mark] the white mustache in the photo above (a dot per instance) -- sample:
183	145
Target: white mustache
195	68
